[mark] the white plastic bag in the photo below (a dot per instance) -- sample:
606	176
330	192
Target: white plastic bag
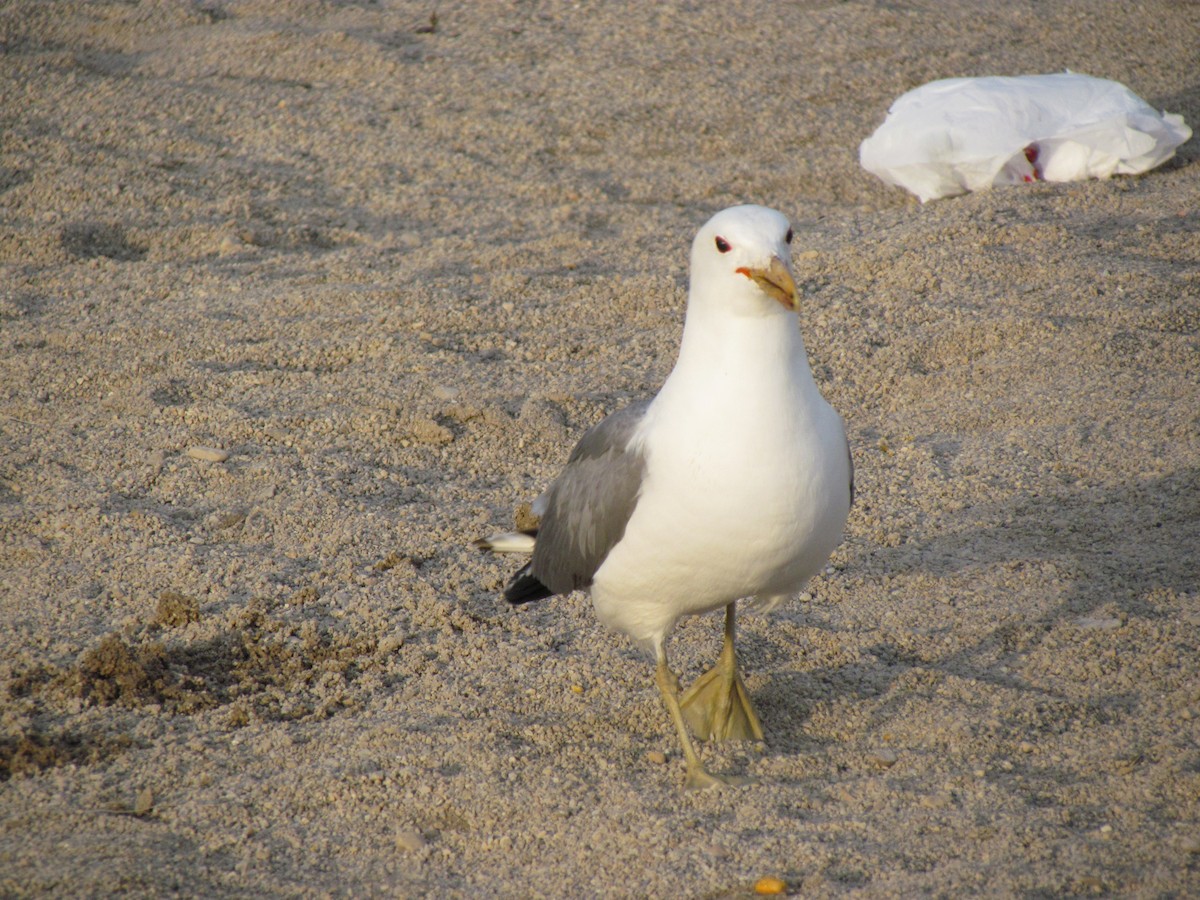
968	134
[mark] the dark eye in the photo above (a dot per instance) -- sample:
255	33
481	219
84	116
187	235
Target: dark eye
723	245
789	236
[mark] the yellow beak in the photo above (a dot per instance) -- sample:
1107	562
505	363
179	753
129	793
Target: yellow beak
776	281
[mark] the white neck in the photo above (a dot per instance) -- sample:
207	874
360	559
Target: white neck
745	353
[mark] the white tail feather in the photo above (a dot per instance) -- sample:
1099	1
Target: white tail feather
507	542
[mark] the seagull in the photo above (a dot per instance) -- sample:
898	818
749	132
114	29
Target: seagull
732	483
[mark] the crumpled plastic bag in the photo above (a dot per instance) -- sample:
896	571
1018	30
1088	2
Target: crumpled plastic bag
968	134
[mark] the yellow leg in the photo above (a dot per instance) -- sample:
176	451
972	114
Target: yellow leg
717	706
698	777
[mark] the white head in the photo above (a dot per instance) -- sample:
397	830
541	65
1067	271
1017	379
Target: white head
741	259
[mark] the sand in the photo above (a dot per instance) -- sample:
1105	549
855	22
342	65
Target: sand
391	260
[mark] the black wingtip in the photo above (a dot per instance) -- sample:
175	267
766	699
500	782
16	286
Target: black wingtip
525	588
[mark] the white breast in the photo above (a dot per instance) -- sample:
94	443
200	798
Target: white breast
746	493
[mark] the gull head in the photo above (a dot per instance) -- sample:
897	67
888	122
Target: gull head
741	258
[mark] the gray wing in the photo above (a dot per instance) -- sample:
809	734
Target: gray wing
589	504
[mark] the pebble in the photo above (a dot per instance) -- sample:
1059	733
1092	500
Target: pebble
656	756
208	454
410	841
885	757
144	802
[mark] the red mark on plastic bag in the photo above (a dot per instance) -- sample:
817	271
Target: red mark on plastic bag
1031	154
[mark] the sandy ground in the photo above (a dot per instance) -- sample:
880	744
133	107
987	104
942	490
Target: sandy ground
394	266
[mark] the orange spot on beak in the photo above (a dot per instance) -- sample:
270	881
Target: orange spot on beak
775	280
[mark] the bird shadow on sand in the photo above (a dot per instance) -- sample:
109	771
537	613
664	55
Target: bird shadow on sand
1127	551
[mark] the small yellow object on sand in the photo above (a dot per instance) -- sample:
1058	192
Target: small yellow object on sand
770	885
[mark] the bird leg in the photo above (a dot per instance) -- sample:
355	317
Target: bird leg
717	706
698	777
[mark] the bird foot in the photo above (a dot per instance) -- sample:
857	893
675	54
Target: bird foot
699	778
718	708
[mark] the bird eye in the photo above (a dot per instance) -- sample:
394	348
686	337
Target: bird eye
789	236
723	245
